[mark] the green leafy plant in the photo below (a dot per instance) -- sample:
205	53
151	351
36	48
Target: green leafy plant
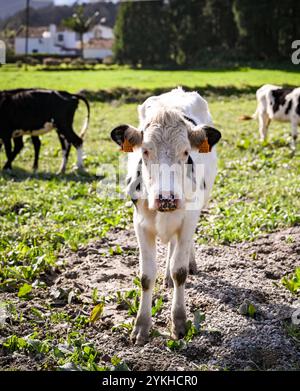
157	307
24	291
96	312
292	282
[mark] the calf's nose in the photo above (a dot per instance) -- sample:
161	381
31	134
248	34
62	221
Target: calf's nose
166	202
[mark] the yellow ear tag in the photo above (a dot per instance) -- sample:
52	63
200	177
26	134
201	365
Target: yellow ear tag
126	146
204	147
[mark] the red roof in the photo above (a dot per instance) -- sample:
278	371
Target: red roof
99	44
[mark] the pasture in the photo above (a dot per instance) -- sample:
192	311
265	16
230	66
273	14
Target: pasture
65	250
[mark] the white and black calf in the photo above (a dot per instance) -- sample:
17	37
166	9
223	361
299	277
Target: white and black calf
278	104
34	112
174	139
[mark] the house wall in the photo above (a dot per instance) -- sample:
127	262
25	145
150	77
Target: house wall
40	45
98	54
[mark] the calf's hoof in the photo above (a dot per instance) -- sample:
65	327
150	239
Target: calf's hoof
140	333
179	326
7	167
139	337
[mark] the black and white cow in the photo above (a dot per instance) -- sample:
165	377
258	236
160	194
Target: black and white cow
171	171
35	112
278	104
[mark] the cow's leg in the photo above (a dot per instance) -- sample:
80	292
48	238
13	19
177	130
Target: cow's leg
37	146
18	146
66	146
9	153
294	133
192	261
179	271
73	139
264	122
168	282
147	247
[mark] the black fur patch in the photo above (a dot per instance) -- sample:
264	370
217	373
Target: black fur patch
118	134
298	107
212	134
279	96
190	120
289	106
190	168
134	183
145	282
180	276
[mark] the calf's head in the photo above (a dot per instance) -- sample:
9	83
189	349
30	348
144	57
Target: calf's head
165	145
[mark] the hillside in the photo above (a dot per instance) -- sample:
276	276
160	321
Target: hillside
10	8
55	14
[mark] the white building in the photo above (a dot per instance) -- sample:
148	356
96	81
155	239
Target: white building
98	49
58	41
47	41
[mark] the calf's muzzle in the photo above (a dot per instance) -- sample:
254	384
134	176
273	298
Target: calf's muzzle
166	202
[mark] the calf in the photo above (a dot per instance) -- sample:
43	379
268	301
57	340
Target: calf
35	112
279	104
174	139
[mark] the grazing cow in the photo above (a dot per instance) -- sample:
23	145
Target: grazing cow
35	112
279	104
174	139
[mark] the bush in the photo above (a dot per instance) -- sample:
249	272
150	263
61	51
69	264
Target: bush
50	62
108	60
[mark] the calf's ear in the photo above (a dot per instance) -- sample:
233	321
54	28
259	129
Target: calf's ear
127	137
204	138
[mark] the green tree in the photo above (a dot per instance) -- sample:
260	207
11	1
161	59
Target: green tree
80	24
257	23
189	29
221	24
142	33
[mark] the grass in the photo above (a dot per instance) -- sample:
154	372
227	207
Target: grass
256	191
11	77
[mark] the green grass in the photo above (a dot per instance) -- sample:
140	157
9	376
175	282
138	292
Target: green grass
256	191
11	77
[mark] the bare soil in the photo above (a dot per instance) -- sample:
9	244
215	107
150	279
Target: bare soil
227	278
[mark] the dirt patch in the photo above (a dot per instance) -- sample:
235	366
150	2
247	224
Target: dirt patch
228	276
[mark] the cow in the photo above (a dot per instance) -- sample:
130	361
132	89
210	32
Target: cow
175	132
35	112
278	104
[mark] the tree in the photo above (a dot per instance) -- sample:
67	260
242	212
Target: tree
258	27
80	24
142	34
189	30
221	24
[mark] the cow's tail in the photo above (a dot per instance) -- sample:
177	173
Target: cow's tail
87	118
249	117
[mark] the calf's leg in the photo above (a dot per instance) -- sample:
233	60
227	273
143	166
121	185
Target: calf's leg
179	269
73	139
9	153
192	261
168	282
37	146
294	133
147	246
264	122
66	146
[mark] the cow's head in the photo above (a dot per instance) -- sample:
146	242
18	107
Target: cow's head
165	144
